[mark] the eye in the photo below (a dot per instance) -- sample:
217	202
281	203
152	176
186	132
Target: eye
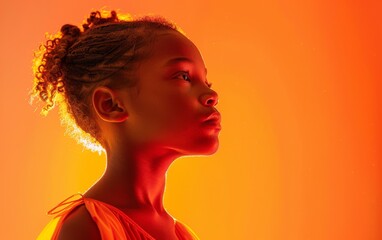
184	75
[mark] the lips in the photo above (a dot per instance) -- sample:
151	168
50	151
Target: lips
213	120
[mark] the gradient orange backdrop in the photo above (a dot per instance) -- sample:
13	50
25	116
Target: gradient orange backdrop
300	95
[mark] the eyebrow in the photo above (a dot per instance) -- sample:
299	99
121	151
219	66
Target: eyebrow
181	59
177	60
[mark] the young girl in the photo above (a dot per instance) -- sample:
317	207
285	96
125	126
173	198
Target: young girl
139	89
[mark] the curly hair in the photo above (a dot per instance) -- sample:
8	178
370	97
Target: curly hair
72	63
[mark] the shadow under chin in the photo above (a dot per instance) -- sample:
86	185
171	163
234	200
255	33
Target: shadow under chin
205	148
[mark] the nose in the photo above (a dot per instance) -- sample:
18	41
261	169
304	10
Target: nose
209	99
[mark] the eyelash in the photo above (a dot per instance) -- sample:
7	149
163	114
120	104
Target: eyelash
189	79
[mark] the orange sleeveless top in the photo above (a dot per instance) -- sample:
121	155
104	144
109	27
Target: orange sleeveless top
112	223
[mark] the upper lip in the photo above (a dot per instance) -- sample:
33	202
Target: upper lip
215	116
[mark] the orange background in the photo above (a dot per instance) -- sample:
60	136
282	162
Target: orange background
300	96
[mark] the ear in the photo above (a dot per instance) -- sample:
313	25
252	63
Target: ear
107	105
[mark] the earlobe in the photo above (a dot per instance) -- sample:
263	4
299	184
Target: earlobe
107	105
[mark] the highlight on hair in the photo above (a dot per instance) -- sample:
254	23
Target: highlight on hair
73	62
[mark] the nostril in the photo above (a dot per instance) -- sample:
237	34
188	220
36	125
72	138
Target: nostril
211	101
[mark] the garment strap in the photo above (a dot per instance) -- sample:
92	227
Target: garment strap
66	204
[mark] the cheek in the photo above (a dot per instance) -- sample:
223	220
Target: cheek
179	111
169	112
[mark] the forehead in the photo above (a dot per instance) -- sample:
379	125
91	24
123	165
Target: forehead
172	46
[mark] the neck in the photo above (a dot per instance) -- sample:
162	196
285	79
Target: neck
134	179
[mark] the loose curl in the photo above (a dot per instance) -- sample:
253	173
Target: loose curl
72	63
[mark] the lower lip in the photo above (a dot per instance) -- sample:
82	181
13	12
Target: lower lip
212	124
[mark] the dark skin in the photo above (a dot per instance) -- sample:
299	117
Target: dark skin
146	128
79	225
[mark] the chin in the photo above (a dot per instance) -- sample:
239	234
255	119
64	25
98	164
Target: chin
201	145
205	148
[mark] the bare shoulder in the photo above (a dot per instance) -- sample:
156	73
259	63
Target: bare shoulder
79	225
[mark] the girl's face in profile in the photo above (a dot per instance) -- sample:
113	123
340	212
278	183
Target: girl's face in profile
171	105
